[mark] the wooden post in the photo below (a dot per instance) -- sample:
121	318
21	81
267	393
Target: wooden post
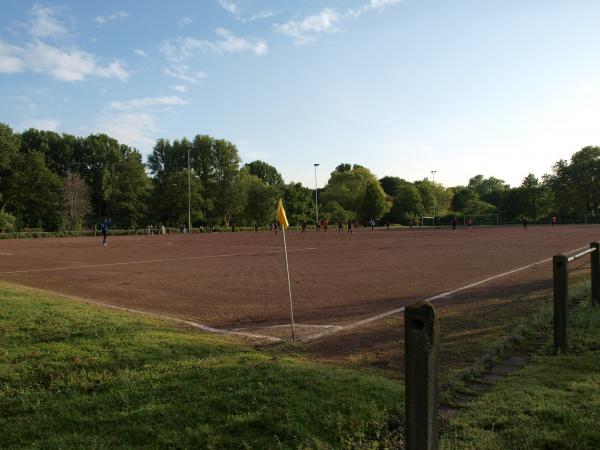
561	294
595	257
421	383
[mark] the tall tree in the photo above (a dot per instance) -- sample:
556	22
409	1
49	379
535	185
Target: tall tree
299	203
76	202
266	172
33	192
127	204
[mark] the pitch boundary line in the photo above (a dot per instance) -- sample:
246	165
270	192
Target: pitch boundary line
149	261
6	254
430	299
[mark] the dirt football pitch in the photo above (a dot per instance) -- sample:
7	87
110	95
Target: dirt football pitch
340	281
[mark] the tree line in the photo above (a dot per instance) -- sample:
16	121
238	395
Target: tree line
55	181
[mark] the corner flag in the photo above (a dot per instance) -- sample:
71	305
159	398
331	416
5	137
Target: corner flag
281	217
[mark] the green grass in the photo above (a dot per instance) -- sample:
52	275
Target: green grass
553	403
78	376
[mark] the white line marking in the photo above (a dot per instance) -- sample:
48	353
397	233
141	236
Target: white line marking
6	254
148	261
429	299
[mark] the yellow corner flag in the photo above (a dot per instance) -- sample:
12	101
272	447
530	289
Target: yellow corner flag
281	217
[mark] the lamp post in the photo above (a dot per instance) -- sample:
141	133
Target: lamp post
189	193
433	172
316	194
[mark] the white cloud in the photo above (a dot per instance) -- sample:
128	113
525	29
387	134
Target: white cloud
140	52
62	64
137	129
380	4
184	48
135	121
184	22
40	124
179	88
182	72
101	20
229	5
306	30
309	29
10	62
43	22
234	8
146	103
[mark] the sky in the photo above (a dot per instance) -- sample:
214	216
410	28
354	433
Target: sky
403	87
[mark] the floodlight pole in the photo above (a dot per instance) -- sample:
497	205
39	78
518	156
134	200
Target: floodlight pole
433	172
189	193
316	194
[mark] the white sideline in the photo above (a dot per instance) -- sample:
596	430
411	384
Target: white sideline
148	261
6	254
429	299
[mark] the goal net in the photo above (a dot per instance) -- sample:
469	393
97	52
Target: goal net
427	221
591	218
482	219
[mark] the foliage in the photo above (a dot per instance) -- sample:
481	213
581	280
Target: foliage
7	221
75	200
32	192
261	201
358	192
299	203
266	172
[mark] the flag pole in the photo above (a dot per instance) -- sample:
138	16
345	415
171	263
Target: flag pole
287	269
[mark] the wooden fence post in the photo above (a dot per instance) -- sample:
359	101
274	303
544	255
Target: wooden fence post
421	382
561	294
595	260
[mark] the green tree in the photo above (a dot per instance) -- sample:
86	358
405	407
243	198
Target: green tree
375	203
127	204
299	203
7	221
392	185
267	173
344	167
33	192
488	189
97	158
407	205
170	198
223	190
462	197
261	201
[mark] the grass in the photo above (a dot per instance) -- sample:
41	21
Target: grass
76	375
553	403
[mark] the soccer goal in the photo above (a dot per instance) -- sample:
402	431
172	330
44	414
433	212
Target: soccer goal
428	221
482	219
591	218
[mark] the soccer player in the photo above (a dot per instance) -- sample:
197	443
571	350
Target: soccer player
349	226
524	221
553	221
340	226
303	226
372	224
454	223
104	227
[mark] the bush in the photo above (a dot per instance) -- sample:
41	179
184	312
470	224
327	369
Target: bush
7	221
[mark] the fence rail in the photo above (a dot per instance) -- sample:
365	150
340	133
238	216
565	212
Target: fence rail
421	350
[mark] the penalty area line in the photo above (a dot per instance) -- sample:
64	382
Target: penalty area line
150	261
433	298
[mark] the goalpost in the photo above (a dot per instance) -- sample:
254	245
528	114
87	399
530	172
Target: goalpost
427	221
591	218
482	219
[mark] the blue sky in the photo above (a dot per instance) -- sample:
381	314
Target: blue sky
400	86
